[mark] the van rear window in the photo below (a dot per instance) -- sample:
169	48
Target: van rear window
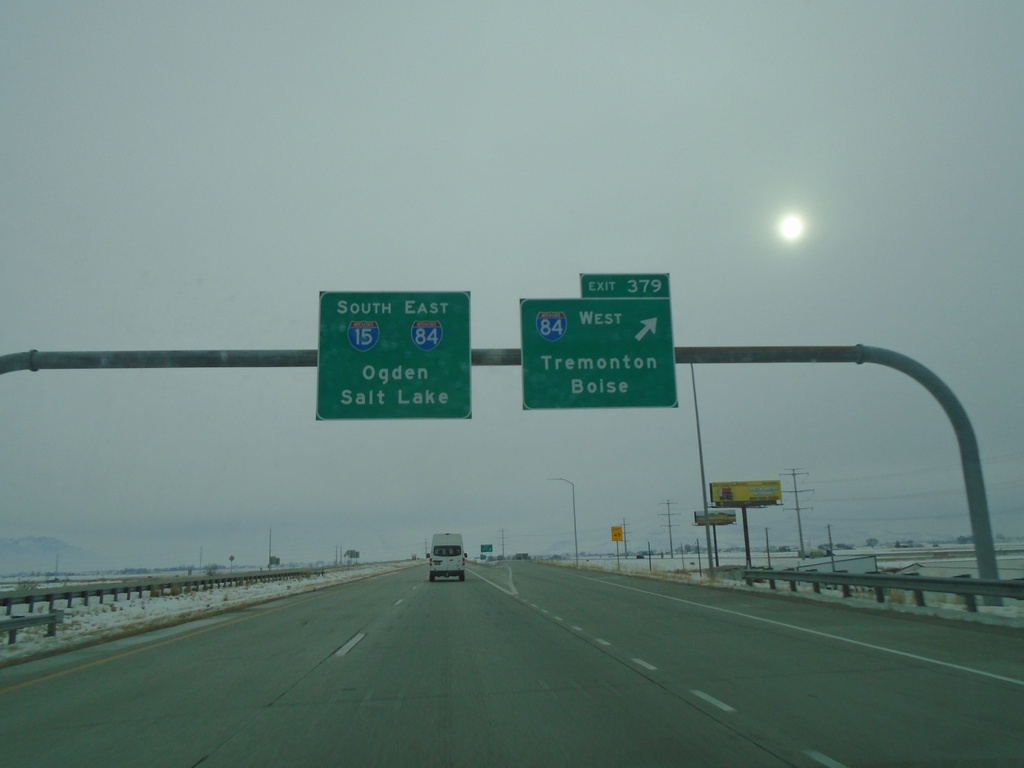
448	551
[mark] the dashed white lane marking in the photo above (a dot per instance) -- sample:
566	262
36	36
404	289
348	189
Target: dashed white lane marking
398	601
578	629
557	618
712	700
818	633
350	644
823	759
644	664
602	642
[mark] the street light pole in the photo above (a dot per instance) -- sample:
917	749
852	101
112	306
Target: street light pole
575	538
703	480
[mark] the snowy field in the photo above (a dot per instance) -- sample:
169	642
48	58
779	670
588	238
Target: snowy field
85	625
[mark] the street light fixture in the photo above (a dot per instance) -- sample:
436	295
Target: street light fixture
575	539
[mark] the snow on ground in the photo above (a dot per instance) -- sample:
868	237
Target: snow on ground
85	625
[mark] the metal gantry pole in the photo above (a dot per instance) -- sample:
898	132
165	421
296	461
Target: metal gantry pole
575	539
977	501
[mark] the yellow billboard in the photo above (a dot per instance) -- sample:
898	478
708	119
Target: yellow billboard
746	493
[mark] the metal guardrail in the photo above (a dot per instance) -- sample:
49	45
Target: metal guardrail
154	586
11	626
969	589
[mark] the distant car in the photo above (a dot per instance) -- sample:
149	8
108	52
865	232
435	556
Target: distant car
640	556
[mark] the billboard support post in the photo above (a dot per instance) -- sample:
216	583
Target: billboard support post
746	535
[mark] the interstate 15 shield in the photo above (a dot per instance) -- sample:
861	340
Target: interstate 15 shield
363	334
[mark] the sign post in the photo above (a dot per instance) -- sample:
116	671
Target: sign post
394	356
617	537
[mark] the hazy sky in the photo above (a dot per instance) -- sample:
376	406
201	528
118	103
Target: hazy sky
193	175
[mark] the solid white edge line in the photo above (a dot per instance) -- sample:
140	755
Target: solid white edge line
712	700
350	644
644	664
511	590
823	759
872	646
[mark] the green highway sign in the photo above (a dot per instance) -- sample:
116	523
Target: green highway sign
394	356
597	353
486	547
645	286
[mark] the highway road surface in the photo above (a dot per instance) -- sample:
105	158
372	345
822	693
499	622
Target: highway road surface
526	664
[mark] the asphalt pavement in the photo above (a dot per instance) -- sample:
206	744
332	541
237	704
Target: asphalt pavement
525	664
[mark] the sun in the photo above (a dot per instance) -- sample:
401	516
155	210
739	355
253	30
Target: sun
792	227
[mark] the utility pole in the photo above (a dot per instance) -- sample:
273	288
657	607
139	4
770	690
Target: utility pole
796	498
668	513
502	543
625	539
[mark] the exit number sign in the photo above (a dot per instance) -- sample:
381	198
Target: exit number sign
641	286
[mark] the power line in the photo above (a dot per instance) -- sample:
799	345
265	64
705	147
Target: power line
1007	457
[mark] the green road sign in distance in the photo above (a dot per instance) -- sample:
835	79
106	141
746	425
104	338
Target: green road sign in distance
486	547
597	353
645	286
394	356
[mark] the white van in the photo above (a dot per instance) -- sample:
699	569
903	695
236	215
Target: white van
447	556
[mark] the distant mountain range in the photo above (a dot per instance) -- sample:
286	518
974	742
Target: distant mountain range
39	554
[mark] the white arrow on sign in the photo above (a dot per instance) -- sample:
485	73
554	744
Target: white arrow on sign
650	325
